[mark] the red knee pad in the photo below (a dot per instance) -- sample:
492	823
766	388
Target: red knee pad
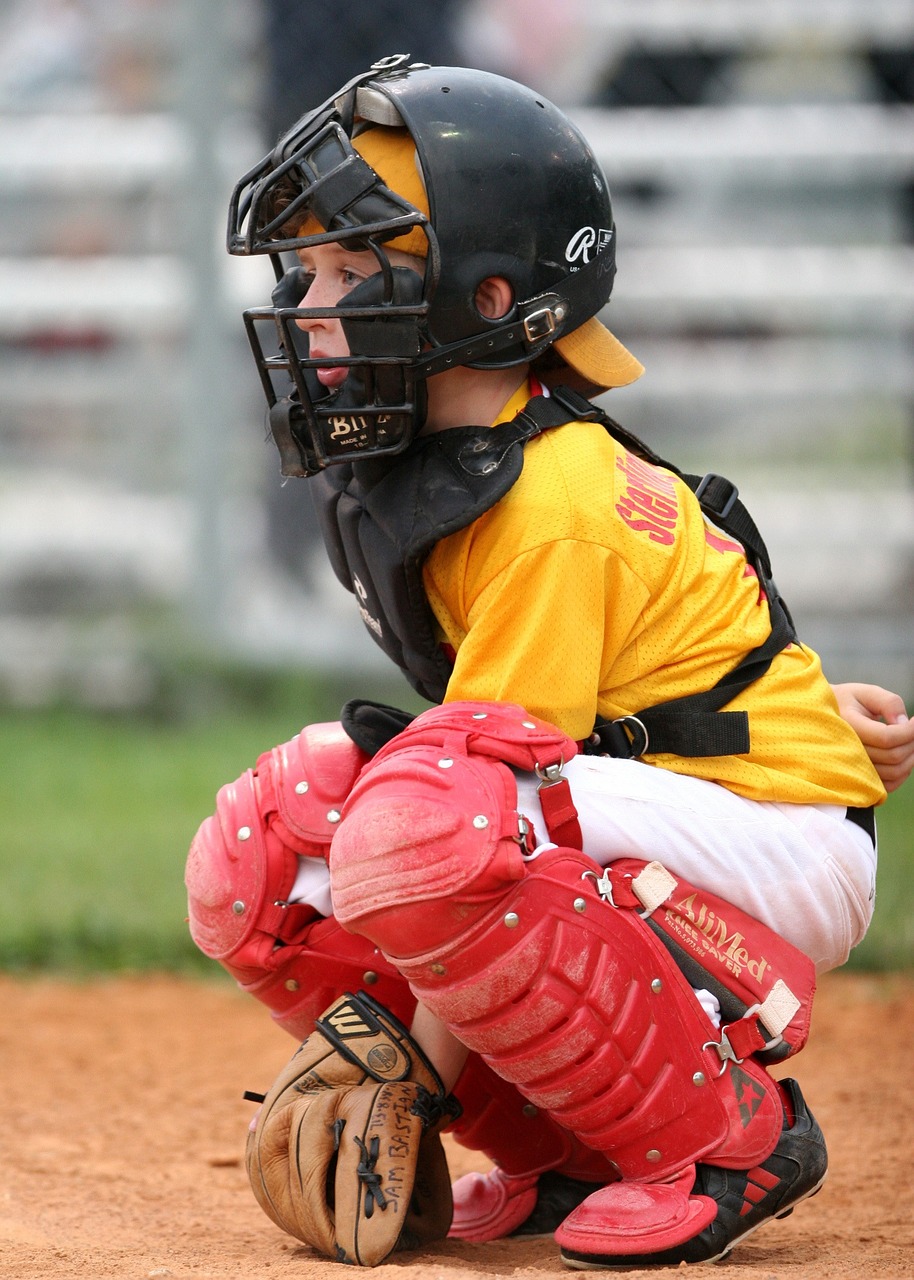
427	843
244	859
431	836
304	784
239	873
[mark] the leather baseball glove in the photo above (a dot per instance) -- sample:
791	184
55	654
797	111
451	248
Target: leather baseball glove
346	1152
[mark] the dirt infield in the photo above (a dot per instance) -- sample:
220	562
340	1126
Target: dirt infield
123	1126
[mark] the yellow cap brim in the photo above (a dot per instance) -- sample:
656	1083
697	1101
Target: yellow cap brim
598	356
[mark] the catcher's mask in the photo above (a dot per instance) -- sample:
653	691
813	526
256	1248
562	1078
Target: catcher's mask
508	188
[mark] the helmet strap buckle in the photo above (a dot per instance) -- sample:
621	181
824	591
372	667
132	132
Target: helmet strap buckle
543	322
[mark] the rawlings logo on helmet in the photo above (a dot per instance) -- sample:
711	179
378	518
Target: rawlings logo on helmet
585	244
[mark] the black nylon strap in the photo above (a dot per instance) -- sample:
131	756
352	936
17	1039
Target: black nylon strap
695	725
865	819
681	733
719	499
570	302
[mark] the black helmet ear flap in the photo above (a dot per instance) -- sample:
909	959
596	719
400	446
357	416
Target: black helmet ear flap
389	336
291	287
392	326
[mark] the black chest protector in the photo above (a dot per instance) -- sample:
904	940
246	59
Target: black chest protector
381	518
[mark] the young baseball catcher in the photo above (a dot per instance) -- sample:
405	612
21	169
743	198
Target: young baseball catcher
573	911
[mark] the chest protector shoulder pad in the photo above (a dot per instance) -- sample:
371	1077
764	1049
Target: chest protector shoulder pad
380	519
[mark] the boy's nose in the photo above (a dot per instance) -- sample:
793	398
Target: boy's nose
314	296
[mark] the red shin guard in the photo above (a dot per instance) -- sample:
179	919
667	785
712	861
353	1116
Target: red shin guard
587	1014
569	997
578	1004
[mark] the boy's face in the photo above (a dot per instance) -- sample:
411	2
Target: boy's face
333	272
453	397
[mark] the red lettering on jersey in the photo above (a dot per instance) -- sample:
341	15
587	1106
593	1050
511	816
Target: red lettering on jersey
649	502
642	472
654	532
723	544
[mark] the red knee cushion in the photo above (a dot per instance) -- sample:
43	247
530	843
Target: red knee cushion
430	834
428	841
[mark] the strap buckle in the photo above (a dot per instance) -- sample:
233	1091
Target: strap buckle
543	322
603	885
724	1050
550	774
637	734
722	503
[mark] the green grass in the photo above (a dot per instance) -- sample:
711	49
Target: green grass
98	812
890	941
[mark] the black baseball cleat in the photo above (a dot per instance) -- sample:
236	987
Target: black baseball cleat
495	1205
556	1196
745	1201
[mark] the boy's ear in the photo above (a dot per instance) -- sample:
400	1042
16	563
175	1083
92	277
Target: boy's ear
494	298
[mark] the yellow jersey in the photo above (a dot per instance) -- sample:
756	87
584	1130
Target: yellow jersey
596	587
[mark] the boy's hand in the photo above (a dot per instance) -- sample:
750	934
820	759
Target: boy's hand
879	719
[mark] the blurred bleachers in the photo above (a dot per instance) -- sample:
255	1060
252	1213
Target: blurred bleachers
761	158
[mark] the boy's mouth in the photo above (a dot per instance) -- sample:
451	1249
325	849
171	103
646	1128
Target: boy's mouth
332	376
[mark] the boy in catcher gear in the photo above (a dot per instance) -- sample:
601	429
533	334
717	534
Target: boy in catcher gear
597	877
